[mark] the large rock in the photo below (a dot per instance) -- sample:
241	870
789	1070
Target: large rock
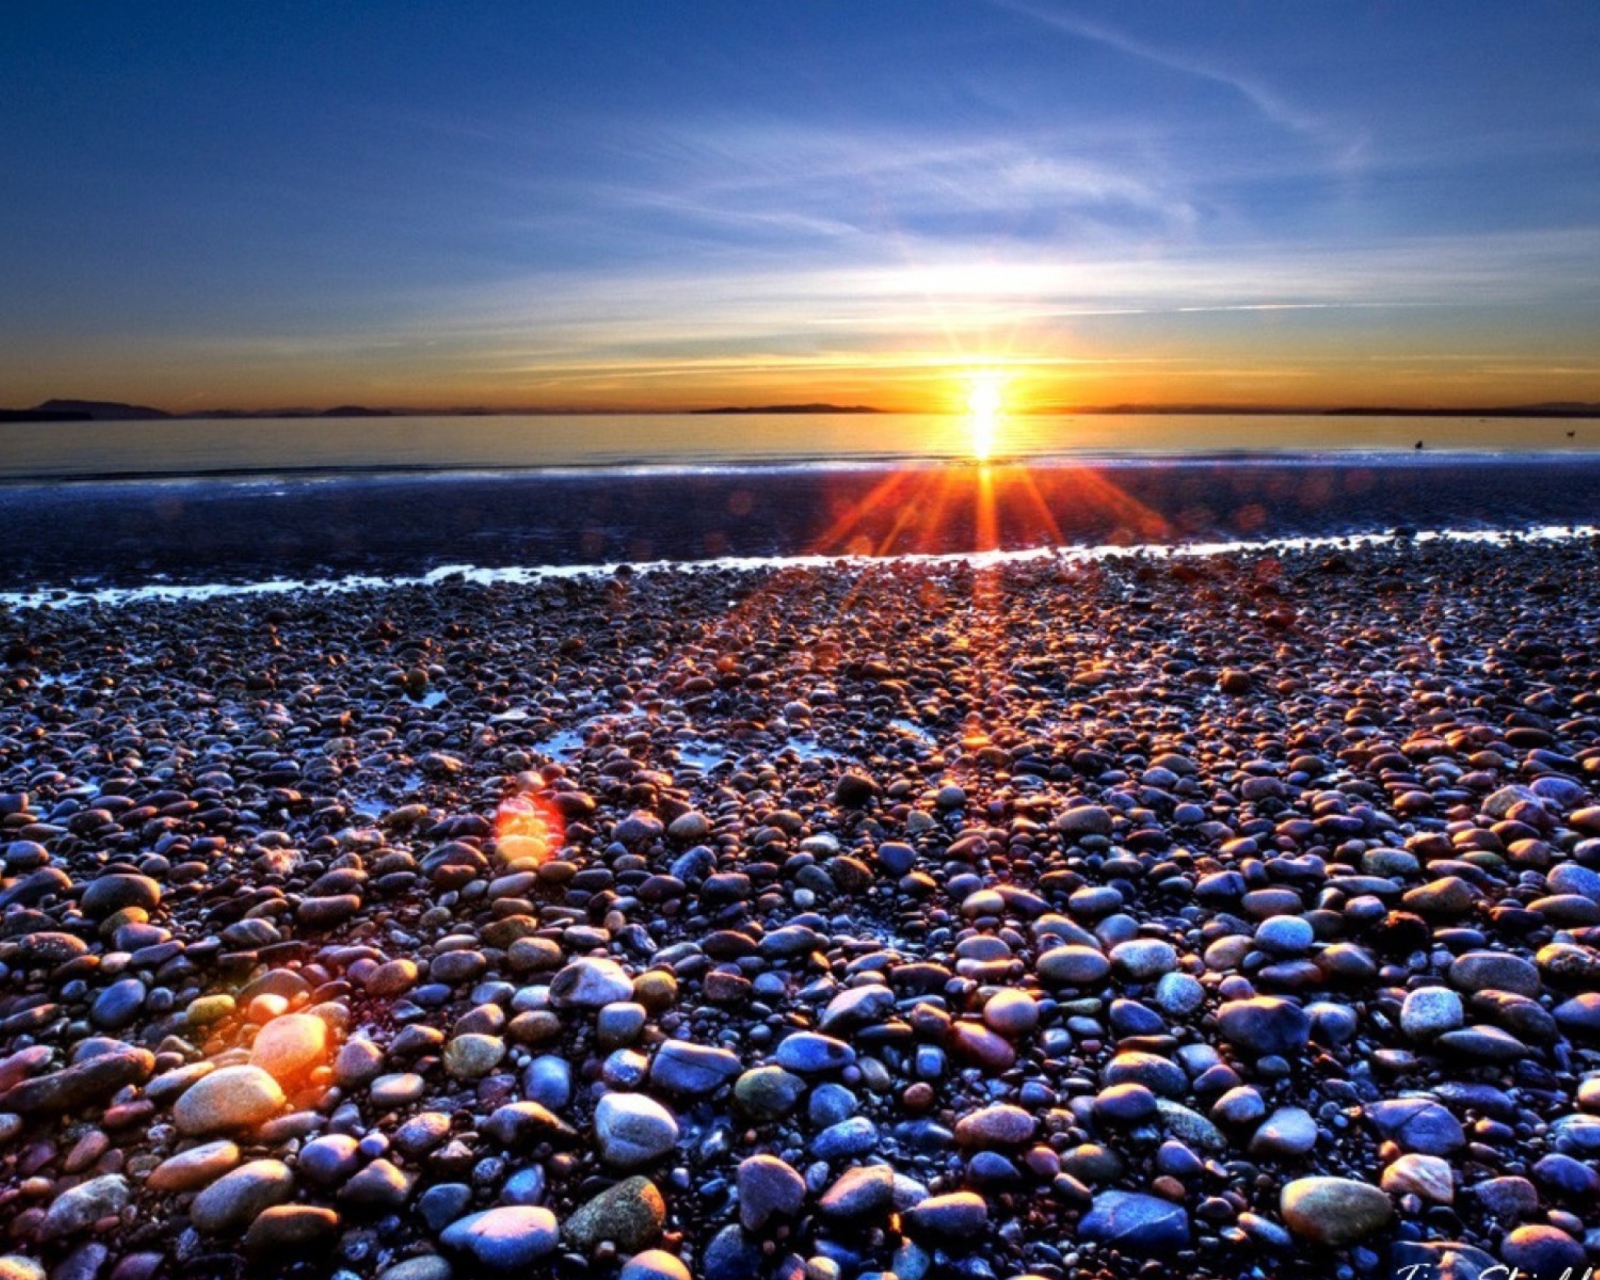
681	1067
110	894
290	1046
229	1098
511	1238
81	1085
1265	1025
590	983
80	1207
231	1203
633	1130
1136	1224
1334	1211
630	1214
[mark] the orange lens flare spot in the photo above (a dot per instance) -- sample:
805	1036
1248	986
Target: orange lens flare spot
528	828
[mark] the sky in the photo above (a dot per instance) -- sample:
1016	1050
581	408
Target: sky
654	206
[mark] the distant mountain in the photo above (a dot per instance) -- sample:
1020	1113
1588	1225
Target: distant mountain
101	410
355	411
793	408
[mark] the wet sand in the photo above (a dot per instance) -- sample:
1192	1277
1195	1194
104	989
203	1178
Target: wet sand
1229	915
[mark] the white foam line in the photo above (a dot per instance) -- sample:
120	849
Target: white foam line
45	597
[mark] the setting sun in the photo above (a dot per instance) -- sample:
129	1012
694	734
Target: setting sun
985	397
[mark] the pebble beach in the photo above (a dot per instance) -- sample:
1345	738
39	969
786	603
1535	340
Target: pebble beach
1213	916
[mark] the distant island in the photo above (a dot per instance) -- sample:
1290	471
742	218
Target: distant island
792	408
64	410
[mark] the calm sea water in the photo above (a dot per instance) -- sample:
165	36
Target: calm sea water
271	445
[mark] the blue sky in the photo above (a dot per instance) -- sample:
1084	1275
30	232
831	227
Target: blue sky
645	205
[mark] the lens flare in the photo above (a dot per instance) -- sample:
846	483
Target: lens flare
528	828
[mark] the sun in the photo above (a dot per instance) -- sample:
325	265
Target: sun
985	398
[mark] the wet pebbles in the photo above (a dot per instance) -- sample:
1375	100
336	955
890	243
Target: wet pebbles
1218	915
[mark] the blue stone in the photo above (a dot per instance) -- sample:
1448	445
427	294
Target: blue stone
1135	1224
853	1137
809	1053
442	1203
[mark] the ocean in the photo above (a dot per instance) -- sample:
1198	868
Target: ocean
283	446
97	506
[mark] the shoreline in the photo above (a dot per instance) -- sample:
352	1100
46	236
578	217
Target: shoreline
529	575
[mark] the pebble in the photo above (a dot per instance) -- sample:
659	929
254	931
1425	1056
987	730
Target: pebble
1135	1224
633	1130
1334	1212
231	1203
239	1097
507	1239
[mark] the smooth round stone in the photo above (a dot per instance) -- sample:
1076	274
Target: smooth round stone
1011	1013
196	1167
396	1090
1428	1012
1240	1105
510	1238
633	1130
829	1104
1179	994
232	1202
1143	959
856	1136
14	1266
1334	1212
118	1005
1265	1025
1285	935
631	1214
473	1056
768	1188
1538	1250
327	1161
693	1069
1572	878
1417	1124
1332	1024
1580	1016
291	1228
547	1080
1287	1133
809	1053
1072	966
1495	971
955	1215
654	1264
229	1098
290	1046
112	893
1002	1125
358	1062
1425	1176
768	1093
1161	1075
862	1192
80	1207
1124	1104
590	983
1135	1224
1483	1044
394	978
620	1024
